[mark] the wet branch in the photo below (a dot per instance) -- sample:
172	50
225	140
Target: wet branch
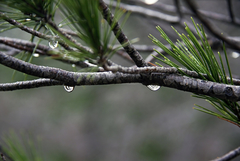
229	156
66	35
171	80
122	38
43	50
29	84
25	45
34	32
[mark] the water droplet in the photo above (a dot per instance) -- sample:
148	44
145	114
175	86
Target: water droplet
28	19
235	54
36	55
69	88
73	65
154	87
53	44
60	25
149	2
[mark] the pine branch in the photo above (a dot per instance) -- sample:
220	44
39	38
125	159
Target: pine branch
29	84
229	156
213	29
33	32
169	70
122	38
230	10
173	80
148	12
41	49
172	9
213	42
25	45
68	78
9	50
66	35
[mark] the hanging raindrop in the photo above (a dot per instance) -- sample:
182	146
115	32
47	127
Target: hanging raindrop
149	2
69	88
235	55
53	44
153	87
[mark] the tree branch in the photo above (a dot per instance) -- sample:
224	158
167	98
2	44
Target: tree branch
174	80
9	50
41	49
68	78
122	38
148	12
213	42
229	156
173	9
213	29
25	45
230	10
80	46
34	32
29	84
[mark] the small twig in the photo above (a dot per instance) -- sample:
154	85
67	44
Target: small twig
213	29
9	50
208	14
148	12
173	9
41	49
29	84
25	45
69	32
178	7
34	32
229	156
122	38
80	46
230	10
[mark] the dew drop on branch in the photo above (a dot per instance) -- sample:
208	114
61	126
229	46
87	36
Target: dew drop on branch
69	88
53	44
153	87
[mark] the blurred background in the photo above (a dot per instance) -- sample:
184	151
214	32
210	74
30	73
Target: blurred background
121	122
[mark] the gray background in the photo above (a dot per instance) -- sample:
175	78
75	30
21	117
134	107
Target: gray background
119	122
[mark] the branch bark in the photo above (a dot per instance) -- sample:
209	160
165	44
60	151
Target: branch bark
229	156
34	32
171	80
122	38
29	84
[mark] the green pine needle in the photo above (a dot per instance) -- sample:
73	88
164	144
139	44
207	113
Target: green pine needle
195	54
20	148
